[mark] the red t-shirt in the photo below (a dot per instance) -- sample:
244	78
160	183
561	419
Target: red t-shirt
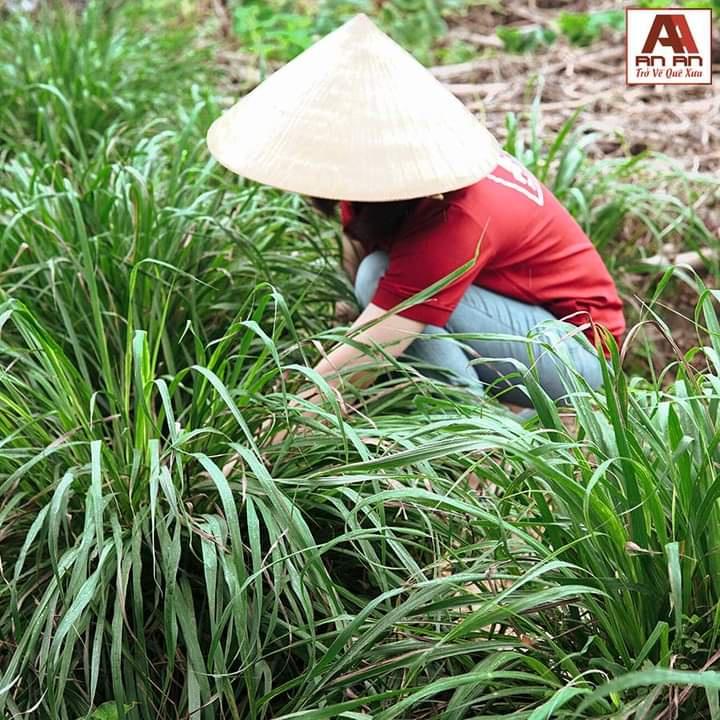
531	249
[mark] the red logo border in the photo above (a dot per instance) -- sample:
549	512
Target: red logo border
655	10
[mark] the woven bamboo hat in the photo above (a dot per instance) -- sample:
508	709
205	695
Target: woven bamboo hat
354	117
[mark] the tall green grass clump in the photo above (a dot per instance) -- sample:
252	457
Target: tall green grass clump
161	557
75	86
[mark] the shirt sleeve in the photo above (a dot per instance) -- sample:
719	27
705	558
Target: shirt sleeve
424	255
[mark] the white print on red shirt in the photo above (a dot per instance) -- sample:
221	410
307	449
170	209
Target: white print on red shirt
523	180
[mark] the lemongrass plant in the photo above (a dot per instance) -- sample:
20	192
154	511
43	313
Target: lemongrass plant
424	555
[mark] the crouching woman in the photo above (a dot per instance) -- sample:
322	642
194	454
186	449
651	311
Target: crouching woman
528	269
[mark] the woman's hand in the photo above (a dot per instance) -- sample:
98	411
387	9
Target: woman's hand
393	333
310	394
278	437
345	312
352	253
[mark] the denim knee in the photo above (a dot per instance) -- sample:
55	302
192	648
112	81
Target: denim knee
372	267
565	355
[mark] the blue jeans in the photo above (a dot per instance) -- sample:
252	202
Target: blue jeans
501	362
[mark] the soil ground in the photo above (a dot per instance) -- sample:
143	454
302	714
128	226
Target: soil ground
682	121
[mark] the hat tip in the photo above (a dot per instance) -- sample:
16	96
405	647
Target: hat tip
360	19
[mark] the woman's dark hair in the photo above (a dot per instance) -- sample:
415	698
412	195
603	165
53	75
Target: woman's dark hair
325	206
371	221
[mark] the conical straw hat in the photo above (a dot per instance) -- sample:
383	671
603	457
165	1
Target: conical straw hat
354	117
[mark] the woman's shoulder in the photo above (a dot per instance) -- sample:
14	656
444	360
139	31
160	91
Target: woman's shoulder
515	201
509	184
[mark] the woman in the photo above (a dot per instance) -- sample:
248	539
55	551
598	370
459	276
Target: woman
530	265
433	210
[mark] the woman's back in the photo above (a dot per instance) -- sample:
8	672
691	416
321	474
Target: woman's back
535	251
531	249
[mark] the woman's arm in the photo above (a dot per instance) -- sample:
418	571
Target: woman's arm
352	253
394	333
